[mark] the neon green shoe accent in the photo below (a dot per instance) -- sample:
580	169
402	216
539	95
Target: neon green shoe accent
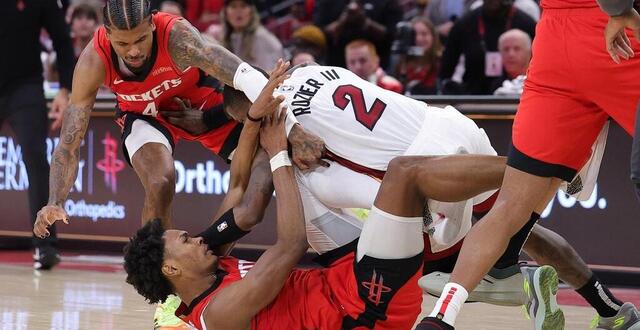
165	317
618	322
594	322
527	291
362	214
526	312
527	288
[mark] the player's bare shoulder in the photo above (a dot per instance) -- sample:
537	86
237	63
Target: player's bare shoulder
90	70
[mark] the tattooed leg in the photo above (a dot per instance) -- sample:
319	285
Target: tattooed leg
154	165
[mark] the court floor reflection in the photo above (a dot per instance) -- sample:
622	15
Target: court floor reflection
64	299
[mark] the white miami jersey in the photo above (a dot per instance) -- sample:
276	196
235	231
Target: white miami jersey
358	121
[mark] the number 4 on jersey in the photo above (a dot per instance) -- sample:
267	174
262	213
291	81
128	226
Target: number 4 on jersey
150	110
368	118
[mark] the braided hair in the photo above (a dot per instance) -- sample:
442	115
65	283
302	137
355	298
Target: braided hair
125	14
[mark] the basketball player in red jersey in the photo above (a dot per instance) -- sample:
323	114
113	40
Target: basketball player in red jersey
623	16
562	110
148	60
373	286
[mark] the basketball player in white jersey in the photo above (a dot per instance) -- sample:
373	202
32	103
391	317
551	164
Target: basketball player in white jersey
364	127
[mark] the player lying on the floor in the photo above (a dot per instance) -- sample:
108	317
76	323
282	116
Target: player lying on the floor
373	282
326	191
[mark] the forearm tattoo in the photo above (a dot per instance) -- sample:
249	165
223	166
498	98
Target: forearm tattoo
188	48
64	164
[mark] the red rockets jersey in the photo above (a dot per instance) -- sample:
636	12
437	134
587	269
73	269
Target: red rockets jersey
303	303
313	298
229	270
155	88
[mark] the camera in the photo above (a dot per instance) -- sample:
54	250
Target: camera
405	41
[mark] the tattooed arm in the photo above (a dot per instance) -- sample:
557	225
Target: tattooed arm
87	78
188	48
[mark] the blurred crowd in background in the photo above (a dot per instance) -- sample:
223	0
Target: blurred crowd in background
413	47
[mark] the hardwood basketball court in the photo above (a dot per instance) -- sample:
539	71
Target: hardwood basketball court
88	292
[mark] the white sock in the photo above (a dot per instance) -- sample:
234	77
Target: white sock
450	303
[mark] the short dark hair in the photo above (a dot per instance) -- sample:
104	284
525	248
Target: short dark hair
233	98
126	14
143	257
84	10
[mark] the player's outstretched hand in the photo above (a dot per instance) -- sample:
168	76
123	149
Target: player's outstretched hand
307	149
618	44
272	133
186	117
264	103
47	216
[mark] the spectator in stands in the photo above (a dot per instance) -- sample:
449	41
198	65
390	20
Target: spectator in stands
515	49
301	56
418	69
443	13
203	13
529	7
283	27
362	59
172	7
412	8
22	102
244	35
346	20
84	22
309	39
475	36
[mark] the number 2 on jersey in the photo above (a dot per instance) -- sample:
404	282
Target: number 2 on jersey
368	118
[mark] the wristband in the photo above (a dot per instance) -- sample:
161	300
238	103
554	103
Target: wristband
249	80
257	120
279	160
222	231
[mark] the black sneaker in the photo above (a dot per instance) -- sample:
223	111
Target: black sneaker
45	258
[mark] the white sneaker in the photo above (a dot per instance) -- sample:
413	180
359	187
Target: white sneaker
500	287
